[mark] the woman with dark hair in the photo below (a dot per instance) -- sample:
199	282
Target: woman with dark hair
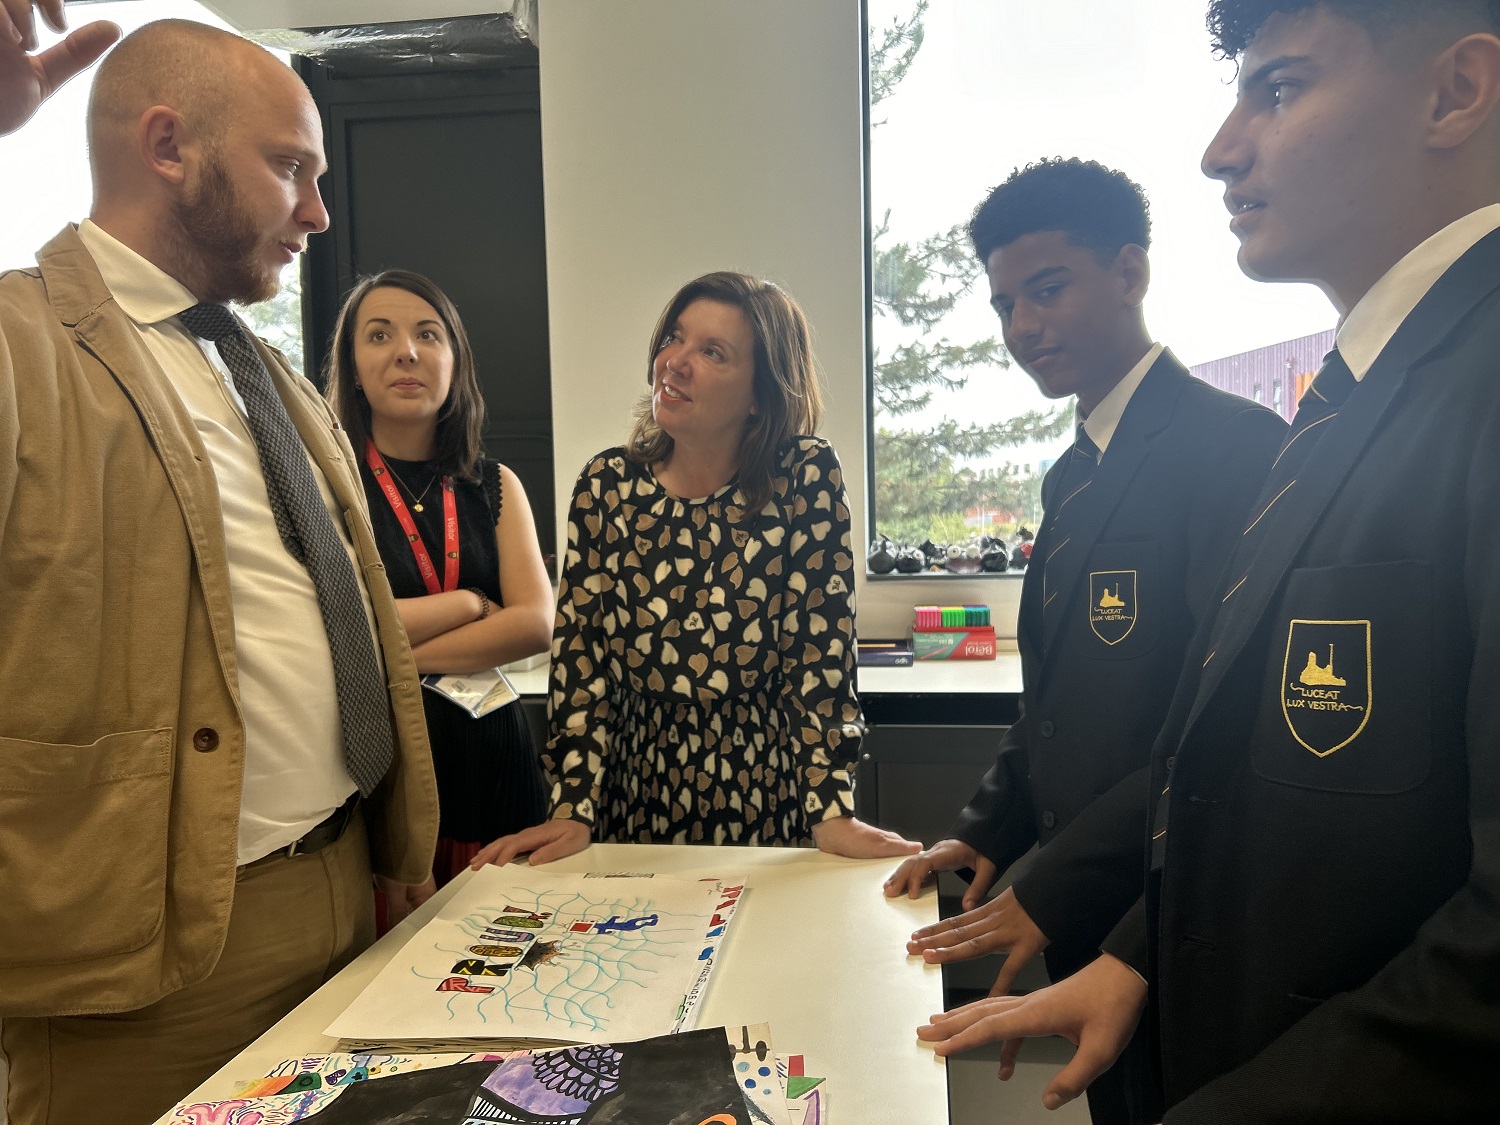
457	539
703	661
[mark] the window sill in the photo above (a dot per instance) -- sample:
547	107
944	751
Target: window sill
941	575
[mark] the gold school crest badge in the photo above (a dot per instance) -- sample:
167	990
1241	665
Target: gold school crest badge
1325	683
1112	604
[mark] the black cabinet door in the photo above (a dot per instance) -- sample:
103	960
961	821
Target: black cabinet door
442	173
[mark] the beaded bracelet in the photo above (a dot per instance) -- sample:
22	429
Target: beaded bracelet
484	601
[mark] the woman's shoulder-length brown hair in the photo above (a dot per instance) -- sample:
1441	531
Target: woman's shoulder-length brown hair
457	448
788	397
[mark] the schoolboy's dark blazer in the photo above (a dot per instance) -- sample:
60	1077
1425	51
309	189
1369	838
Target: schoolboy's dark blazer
1152	530
1323	932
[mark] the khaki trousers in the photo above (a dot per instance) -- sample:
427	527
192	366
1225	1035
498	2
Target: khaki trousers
294	924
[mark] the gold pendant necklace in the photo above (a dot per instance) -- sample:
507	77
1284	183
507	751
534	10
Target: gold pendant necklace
416	501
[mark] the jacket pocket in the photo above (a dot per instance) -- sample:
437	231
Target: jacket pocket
1122	606
1348	689
83	846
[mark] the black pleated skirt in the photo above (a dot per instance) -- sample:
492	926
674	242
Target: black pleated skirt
489	780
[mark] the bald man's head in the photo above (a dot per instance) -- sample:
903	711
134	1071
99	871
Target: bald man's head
199	71
206	150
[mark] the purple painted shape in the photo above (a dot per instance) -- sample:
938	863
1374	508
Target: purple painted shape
557	1083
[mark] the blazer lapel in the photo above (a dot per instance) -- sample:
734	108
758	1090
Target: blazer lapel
1029	620
1469	280
83	303
1146	415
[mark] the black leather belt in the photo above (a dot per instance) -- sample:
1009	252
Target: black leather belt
327	831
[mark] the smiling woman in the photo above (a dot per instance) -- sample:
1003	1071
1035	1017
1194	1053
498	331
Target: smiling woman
703	662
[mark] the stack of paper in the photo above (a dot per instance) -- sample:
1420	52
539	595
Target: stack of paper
521	957
727	1076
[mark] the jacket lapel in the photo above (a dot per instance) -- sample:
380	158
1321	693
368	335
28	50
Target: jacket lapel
1455	294
83	303
1146	415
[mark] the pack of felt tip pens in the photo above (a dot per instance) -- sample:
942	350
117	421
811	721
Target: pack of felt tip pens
952	632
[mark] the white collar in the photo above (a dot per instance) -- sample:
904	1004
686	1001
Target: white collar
1372	322
1101	422
146	293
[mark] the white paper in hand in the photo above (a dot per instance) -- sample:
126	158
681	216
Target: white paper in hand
478	693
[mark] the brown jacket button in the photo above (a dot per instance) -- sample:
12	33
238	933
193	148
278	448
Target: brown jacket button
205	740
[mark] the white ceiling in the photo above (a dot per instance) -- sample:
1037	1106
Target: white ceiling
250	15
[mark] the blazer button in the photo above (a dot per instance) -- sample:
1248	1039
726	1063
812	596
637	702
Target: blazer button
1171	764
1046	729
205	740
1049	820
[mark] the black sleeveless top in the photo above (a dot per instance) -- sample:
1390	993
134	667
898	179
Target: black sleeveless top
478	505
489	780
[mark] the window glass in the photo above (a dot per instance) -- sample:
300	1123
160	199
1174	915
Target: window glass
962	92
55	188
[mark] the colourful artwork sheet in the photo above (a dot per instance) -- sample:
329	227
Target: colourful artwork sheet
297	1088
718	1076
718	925
806	1097
522	955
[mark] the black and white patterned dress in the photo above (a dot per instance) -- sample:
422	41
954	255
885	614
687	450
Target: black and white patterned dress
703	662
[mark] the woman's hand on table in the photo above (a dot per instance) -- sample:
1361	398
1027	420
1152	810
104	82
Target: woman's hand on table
945	855
555	839
856	839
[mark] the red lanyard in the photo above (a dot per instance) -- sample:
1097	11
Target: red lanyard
450	524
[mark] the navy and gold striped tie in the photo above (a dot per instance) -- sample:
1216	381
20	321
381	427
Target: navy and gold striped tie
1078	474
1319	405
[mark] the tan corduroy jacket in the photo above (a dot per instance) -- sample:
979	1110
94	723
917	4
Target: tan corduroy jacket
121	739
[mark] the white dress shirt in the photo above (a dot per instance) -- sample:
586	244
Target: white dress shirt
1101	422
294	761
1373	321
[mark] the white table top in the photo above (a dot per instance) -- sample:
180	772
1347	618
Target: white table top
815	950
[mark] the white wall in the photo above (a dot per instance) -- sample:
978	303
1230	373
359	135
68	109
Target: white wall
683	136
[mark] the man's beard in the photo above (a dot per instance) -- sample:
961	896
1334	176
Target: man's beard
222	255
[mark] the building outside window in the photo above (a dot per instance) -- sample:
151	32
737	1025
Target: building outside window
961	93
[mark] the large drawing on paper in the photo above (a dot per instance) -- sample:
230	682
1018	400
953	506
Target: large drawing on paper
526	954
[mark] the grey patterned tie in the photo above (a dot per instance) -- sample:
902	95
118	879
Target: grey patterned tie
310	537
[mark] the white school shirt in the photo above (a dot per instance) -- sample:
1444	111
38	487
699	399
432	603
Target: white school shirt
1101	422
294	760
1372	322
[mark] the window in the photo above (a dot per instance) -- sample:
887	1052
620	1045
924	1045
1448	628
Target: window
55	189
961	92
